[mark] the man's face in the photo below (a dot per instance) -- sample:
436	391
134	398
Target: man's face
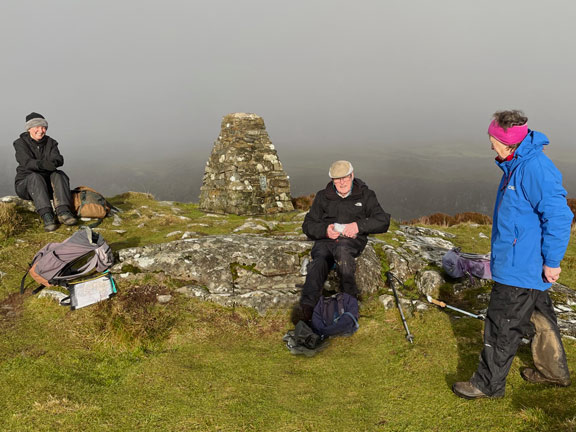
343	184
37	132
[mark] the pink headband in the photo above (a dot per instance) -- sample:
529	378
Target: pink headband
511	136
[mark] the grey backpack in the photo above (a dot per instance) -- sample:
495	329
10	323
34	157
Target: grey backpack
83	254
458	264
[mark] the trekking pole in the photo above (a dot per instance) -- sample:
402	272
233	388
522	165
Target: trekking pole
409	335
444	305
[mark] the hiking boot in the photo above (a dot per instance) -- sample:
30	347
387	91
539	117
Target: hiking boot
67	218
50	223
307	312
467	390
533	376
301	312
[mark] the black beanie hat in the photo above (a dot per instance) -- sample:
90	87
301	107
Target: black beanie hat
34	119
34	115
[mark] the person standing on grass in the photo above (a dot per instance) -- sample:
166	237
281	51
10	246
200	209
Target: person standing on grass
339	221
38	177
530	233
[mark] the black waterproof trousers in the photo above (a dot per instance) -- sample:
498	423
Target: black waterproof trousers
514	313
343	252
41	188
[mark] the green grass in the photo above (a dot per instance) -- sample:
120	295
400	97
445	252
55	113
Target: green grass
133	364
225	369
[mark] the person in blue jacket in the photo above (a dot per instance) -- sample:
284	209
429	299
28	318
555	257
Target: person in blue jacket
530	232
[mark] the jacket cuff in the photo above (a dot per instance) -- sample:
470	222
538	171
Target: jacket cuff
552	264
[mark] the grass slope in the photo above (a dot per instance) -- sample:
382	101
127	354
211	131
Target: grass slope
133	364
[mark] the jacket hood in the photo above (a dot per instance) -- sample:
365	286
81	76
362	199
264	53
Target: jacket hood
533	144
530	147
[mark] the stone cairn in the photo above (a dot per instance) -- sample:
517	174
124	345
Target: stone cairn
244	175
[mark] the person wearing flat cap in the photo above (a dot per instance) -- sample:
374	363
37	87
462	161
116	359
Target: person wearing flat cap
339	221
37	176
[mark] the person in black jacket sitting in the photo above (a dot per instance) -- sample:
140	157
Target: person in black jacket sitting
37	175
339	221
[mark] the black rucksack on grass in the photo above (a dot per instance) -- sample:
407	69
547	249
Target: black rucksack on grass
336	315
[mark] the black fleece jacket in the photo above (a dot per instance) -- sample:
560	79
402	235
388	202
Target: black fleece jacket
361	206
30	152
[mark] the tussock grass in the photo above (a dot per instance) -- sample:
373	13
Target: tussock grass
445	220
135	317
10	221
303	202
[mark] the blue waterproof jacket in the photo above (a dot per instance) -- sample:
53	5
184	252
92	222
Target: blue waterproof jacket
532	221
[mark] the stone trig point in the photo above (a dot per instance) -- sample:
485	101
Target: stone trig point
244	175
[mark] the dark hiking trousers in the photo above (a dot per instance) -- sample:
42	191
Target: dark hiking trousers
514	313
40	188
343	252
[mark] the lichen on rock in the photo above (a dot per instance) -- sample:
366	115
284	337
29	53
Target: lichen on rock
247	270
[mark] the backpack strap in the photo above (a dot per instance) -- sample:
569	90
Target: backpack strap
22	289
356	325
82	201
95	224
340	298
342	312
38	289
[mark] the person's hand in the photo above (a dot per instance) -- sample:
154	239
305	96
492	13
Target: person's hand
551	274
46	165
351	230
331	233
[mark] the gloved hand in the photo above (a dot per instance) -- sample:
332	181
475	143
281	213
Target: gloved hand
46	165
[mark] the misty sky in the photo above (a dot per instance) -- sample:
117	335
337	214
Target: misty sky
133	82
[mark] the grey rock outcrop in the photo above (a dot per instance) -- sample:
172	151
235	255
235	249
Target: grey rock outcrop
429	282
565	307
19	202
407	305
53	294
420	248
244	175
246	270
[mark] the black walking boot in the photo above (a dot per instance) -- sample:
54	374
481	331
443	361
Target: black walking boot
50	223
467	390
534	376
67	218
301	312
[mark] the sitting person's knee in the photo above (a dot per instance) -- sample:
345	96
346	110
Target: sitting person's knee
34	177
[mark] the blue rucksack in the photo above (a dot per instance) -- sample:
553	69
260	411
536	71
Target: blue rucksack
335	315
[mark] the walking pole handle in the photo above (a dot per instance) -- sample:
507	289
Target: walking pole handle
438	303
